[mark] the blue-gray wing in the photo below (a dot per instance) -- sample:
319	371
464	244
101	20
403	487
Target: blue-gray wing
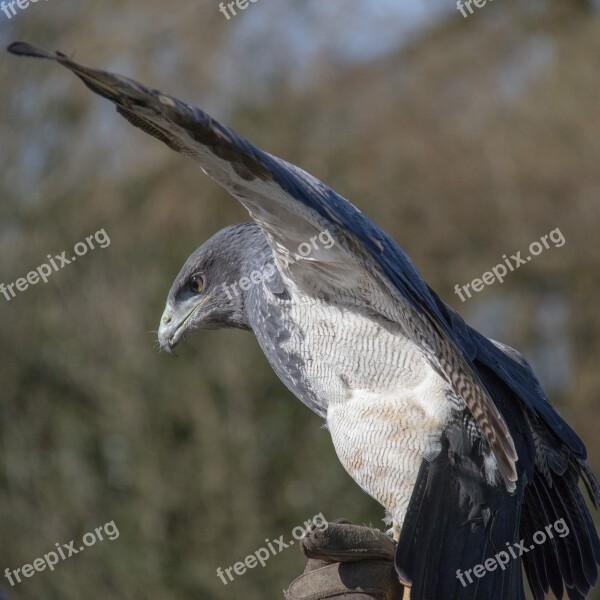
323	244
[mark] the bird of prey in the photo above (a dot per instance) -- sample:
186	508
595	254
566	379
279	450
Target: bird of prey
448	430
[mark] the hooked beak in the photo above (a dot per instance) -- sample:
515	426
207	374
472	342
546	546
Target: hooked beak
172	328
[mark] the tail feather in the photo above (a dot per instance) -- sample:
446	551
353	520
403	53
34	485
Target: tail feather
590	482
542	567
455	521
569	555
580	523
556	547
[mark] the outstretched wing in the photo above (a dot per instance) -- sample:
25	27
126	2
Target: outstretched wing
292	207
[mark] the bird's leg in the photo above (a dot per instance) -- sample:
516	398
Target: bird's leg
394	533
394	530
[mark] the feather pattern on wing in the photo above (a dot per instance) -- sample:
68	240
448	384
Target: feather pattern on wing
291	206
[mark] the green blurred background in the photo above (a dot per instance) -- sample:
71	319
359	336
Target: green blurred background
466	139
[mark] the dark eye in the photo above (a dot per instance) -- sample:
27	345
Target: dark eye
197	283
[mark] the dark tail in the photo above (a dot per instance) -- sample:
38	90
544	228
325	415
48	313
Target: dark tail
465	538
454	524
565	552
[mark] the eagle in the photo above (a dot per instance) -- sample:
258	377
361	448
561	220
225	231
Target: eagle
451	432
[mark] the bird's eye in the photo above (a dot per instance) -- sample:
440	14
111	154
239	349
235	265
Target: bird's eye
197	283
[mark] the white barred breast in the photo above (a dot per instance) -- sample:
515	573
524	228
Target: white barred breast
386	406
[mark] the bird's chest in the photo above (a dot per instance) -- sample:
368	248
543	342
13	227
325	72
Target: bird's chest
385	406
342	351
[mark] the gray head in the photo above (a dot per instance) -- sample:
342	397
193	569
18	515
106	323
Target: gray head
200	297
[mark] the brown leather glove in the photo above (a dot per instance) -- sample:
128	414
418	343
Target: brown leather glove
346	561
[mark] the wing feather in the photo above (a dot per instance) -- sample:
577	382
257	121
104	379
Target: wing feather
291	206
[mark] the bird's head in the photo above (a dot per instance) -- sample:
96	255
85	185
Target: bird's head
204	295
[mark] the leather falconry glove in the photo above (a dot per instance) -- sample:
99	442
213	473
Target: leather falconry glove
347	561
